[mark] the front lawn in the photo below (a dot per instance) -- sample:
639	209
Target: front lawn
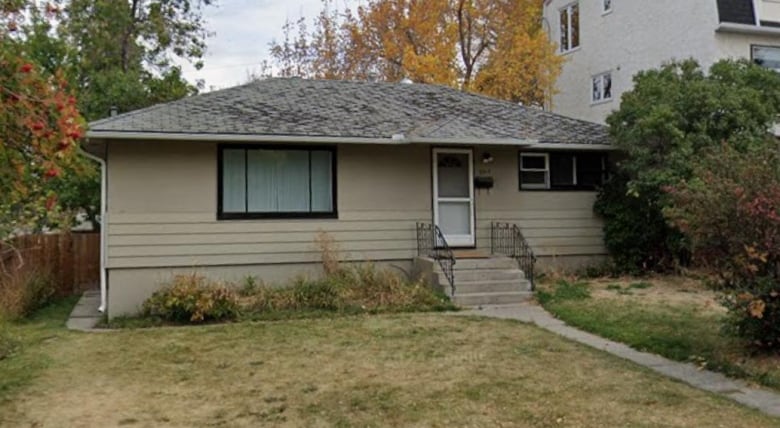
671	316
386	370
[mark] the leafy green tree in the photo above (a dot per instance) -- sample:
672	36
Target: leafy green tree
664	124
113	54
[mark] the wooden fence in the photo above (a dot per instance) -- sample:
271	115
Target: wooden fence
73	259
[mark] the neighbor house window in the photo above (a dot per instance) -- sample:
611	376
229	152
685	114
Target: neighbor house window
562	170
260	182
570	27
766	56
607	6
601	87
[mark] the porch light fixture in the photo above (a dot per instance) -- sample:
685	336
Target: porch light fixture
487	158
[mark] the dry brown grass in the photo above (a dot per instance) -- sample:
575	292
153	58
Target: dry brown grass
329	252
399	370
24	290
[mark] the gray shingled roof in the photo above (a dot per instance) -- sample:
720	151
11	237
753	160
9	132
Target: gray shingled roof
329	108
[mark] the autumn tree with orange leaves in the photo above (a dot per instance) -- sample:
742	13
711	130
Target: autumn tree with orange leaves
39	129
495	47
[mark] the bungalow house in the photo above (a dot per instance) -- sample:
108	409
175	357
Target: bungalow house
239	181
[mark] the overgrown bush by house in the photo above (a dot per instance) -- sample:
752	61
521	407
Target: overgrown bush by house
673	115
24	290
359	288
193	299
731	212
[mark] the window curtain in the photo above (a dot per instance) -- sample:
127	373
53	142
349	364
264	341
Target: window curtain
292	181
321	181
278	181
234	181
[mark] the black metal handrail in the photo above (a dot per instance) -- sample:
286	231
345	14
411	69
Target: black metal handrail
431	243
508	240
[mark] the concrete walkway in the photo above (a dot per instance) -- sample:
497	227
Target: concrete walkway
739	391
85	315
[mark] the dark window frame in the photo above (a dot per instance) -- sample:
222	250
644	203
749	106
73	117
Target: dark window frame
550	187
333	214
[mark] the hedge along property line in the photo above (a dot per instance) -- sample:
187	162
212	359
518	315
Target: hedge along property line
71	259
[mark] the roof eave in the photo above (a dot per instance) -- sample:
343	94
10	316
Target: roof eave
399	139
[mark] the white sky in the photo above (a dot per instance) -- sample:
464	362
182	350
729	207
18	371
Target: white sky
242	31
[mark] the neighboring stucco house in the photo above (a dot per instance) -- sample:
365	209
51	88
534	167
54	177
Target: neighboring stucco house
239	181
606	42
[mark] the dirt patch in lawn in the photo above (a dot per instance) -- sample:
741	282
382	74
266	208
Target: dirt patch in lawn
399	370
669	290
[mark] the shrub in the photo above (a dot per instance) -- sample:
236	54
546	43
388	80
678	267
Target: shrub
193	299
24	290
755	314
731	212
672	116
318	295
354	289
636	234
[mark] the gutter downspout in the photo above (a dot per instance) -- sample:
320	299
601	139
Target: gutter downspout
103	227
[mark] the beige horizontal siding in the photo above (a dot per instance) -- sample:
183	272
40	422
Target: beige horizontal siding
252	259
165	216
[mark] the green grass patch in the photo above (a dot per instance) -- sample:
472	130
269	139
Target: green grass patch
25	359
640	285
680	332
564	291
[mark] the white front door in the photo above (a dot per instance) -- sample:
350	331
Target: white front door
453	195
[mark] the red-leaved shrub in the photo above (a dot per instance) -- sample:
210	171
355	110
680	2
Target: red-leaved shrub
731	214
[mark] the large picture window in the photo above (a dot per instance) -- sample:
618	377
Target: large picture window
261	182
562	170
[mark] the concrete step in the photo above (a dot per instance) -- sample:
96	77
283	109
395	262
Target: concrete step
499	298
483	275
488	263
469	287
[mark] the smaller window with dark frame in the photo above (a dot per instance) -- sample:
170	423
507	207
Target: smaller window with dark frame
562	170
